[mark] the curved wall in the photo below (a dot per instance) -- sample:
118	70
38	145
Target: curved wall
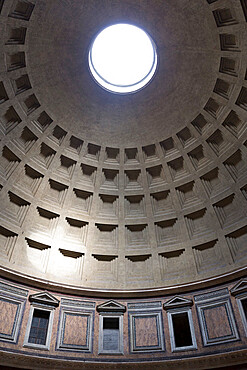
218	328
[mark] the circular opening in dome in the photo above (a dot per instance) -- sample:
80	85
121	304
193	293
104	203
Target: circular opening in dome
122	58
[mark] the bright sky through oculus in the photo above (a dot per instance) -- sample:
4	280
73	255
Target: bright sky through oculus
123	58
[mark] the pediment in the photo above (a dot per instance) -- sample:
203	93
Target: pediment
240	287
111	306
178	302
44	298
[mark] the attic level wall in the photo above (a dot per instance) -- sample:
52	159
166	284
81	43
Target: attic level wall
219	328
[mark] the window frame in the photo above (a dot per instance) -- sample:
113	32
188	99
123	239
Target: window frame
239	300
46	346
173	312
120	350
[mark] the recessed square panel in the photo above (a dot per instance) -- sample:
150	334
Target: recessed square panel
75	330
11	308
217	322
146	333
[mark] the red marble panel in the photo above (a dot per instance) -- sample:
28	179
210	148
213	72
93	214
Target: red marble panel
75	331
146	331
7	317
217	322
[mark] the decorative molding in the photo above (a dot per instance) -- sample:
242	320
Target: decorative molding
122	293
78	304
144	306
111	306
177	301
216	294
10	289
237	357
240	287
44	298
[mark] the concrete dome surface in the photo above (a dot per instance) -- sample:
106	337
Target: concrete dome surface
146	189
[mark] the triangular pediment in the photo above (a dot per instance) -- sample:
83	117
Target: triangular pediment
240	287
178	302
44	298
111	306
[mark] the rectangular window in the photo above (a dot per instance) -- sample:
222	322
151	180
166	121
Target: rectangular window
244	305
111	334
39	327
181	329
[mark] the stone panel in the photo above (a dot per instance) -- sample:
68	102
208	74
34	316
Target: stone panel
217	322
75	330
146	332
7	319
216	318
11	309
75	327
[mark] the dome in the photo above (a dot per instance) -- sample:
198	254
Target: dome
123	195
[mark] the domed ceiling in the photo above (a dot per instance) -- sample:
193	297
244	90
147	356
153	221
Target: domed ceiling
188	66
138	191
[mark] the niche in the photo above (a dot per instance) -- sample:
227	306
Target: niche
244	305
111	327
180	323
110	333
181	328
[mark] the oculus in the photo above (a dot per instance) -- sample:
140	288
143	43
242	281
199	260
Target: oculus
122	58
